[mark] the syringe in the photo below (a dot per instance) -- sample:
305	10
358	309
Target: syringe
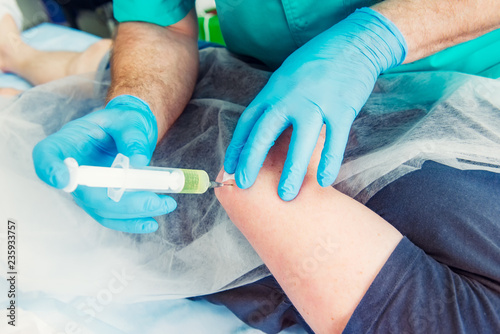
120	177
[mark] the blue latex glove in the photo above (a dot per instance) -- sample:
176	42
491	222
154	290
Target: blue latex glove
125	126
326	81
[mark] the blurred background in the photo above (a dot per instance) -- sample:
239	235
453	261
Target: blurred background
96	16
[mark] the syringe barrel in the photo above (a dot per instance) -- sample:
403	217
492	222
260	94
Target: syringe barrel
196	181
164	180
156	179
168	180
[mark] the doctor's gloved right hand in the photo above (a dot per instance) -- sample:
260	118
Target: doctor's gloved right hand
325	82
126	125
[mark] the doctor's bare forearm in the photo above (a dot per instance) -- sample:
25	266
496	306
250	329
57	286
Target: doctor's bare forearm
157	64
433	25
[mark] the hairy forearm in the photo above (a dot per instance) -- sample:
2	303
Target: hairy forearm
433	25
156	64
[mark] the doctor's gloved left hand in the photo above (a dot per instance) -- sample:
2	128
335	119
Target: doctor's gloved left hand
125	126
326	81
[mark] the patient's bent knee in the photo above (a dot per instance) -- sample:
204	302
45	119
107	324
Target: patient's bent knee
263	194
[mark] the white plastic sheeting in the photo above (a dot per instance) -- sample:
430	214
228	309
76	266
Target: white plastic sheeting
65	257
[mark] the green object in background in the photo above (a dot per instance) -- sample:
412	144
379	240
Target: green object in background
270	30
210	29
480	56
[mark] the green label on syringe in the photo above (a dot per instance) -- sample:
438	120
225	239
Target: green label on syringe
195	181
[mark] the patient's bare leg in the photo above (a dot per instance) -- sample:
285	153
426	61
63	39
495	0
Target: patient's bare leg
9	92
40	67
324	248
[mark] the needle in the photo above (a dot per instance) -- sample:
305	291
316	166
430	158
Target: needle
218	184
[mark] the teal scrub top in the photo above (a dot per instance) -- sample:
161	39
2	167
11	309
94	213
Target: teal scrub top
270	30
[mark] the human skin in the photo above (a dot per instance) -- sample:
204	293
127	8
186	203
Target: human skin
39	67
324	248
158	65
9	91
429	26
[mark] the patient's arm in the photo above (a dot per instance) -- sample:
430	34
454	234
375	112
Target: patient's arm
433	25
158	65
324	248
